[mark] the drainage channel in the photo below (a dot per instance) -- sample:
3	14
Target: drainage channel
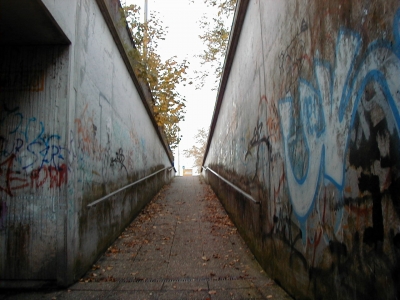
144	280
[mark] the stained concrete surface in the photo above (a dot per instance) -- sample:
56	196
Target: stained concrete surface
181	246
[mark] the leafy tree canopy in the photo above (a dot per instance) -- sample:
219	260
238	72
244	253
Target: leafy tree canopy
216	30
163	77
197	150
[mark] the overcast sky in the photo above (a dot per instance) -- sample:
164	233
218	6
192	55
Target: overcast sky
182	40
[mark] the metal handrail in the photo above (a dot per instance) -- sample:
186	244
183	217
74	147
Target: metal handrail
127	186
232	185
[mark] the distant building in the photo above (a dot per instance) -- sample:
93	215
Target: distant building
187	172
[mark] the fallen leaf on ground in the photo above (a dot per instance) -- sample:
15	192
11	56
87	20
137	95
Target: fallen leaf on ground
212	292
113	250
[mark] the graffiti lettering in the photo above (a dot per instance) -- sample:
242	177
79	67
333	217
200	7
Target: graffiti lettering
328	110
265	135
11	180
119	159
291	60
29	157
87	132
256	141
34	151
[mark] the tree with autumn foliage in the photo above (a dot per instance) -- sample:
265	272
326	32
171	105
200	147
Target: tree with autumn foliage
197	151
163	77
216	30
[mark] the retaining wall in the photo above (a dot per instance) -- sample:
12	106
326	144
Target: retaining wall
307	122
75	126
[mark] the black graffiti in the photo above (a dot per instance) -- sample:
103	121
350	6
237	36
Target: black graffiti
291	60
373	235
256	141
119	159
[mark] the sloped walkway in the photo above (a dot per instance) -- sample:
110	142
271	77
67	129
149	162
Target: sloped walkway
182	246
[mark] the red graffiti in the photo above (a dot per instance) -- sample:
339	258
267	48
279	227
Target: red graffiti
56	176
87	133
11	180
4	184
281	181
272	119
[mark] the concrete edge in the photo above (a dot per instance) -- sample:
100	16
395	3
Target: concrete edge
238	20
115	21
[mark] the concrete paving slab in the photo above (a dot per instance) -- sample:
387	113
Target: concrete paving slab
129	295
230	284
140	286
93	286
190	285
81	295
246	293
176	294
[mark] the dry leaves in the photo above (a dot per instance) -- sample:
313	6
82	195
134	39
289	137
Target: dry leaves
113	249
135	235
215	214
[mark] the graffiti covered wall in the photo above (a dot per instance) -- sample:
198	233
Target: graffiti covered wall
73	129
309	125
34	159
116	139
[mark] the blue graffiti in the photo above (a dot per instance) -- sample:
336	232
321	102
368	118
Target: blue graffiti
28	141
328	111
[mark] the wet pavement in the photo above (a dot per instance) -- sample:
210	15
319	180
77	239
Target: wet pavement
181	246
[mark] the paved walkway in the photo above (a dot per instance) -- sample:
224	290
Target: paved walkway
182	246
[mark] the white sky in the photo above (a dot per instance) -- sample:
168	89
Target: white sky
182	40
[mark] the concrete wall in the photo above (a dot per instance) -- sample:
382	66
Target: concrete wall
74	127
308	123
